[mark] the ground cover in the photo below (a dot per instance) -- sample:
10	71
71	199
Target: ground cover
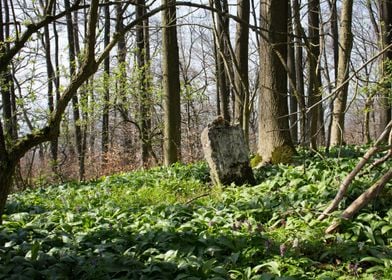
170	223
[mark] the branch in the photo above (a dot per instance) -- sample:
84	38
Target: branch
6	58
350	177
361	201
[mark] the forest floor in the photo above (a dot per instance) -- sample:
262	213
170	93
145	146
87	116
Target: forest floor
170	223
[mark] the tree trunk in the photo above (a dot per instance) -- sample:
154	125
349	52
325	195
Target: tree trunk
143	62
293	103
75	100
7	169
345	39
106	97
299	71
51	81
386	39
314	71
273	112
171	85
241	76
221	32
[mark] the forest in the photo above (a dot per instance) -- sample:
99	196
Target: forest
102	171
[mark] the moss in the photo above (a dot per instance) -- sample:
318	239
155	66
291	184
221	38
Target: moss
256	160
282	154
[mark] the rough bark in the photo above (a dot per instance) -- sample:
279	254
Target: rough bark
345	39
171	85
273	112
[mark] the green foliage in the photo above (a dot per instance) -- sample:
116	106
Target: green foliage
168	223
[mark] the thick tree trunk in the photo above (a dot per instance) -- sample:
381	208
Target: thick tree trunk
345	39
386	39
273	112
7	169
171	85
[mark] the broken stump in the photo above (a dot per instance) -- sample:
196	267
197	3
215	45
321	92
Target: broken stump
226	153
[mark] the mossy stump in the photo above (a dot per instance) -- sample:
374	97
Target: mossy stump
227	154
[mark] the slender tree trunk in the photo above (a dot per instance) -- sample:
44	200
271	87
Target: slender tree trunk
293	103
106	97
314	93
241	76
299	71
345	39
273	112
171	85
335	43
75	100
221	33
143	62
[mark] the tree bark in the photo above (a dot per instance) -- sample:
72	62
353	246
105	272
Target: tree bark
385	7
171	85
106	94
143	62
314	71
299	71
241	76
273	112
291	65
221	38
345	39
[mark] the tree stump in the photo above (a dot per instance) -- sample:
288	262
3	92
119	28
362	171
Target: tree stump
226	153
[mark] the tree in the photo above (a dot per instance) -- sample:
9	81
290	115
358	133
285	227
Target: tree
335	43
222	54
106	94
73	49
241	76
314	84
291	73
171	85
143	67
274	133
299	69
345	39
11	151
385	7
51	82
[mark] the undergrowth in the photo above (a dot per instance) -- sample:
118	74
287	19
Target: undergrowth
170	223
